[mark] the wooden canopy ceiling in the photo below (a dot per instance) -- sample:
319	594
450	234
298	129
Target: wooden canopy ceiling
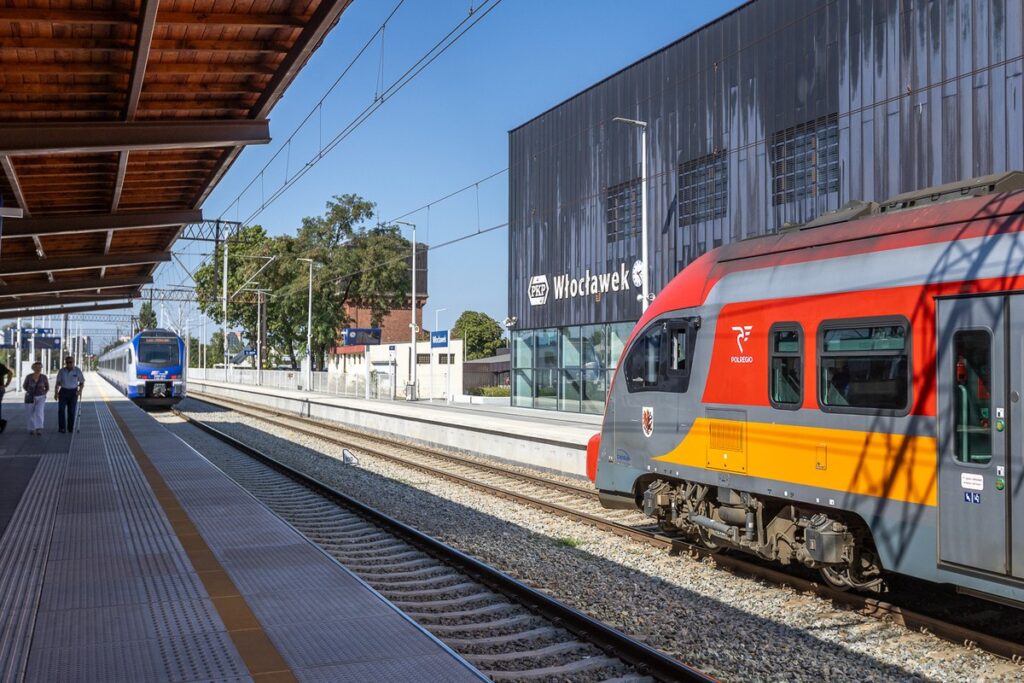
117	119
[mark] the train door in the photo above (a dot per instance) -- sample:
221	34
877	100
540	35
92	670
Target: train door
973	428
646	411
1012	478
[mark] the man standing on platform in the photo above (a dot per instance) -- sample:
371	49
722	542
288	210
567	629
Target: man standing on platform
5	379
70	381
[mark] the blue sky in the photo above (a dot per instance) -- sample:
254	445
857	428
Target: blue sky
446	129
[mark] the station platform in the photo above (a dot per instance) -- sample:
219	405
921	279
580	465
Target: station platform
547	440
127	556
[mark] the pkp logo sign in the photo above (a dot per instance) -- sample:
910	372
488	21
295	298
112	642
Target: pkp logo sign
538	290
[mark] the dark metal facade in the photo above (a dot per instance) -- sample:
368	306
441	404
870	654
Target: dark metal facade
919	93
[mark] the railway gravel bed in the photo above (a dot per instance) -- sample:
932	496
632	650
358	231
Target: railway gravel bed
514	634
558	489
733	627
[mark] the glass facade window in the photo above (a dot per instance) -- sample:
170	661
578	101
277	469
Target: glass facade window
567	368
805	160
522	388
622	210
545	369
703	189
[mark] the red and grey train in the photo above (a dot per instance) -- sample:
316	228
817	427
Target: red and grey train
845	395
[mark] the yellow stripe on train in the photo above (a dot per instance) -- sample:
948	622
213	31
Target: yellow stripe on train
867	463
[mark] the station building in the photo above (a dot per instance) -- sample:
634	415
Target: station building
769	116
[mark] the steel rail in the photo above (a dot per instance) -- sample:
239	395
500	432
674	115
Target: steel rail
288	421
645	658
869	606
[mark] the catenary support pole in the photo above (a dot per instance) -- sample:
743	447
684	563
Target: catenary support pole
224	327
309	332
259	339
410	394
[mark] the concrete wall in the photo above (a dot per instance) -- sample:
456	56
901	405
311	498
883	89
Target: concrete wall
410	422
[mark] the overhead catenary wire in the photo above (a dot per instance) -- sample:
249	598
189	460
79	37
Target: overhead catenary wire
396	86
316	108
439	48
435	51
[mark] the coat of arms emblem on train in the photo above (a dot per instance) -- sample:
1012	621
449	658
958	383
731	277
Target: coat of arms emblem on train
647	421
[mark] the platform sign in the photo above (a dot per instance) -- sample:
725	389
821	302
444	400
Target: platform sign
439	339
37	330
361	336
41	342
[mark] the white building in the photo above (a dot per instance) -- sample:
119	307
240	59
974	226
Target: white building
387	366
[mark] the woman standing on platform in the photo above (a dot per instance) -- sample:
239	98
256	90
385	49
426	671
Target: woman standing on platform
36	388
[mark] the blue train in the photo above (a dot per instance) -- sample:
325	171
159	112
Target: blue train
149	369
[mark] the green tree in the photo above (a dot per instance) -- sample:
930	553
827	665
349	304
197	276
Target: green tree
147	316
109	345
481	333
215	349
354	263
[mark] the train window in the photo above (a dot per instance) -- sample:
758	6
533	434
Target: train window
643	367
864	366
659	357
972	433
158	352
785	381
677	349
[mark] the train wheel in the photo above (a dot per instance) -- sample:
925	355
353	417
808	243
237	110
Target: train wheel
835	578
708	542
867	576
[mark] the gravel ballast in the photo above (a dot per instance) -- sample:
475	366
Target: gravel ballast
734	628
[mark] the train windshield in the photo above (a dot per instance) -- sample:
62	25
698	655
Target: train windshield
158	352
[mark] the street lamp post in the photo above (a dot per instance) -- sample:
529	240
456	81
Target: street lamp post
410	394
260	303
224	326
309	328
645	297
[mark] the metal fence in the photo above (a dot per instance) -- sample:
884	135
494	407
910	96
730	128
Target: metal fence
336	384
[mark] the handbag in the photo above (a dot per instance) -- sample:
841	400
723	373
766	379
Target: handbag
30	394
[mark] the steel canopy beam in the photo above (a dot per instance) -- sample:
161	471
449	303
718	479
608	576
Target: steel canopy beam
62	263
56	225
56	300
79	284
29	312
147	22
12	180
106	136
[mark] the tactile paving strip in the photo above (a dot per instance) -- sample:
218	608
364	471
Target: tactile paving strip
346	631
123	602
23	553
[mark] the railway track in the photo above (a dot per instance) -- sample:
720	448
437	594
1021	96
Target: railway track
451	466
507	629
628	525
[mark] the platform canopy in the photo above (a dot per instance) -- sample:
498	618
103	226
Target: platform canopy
117	119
